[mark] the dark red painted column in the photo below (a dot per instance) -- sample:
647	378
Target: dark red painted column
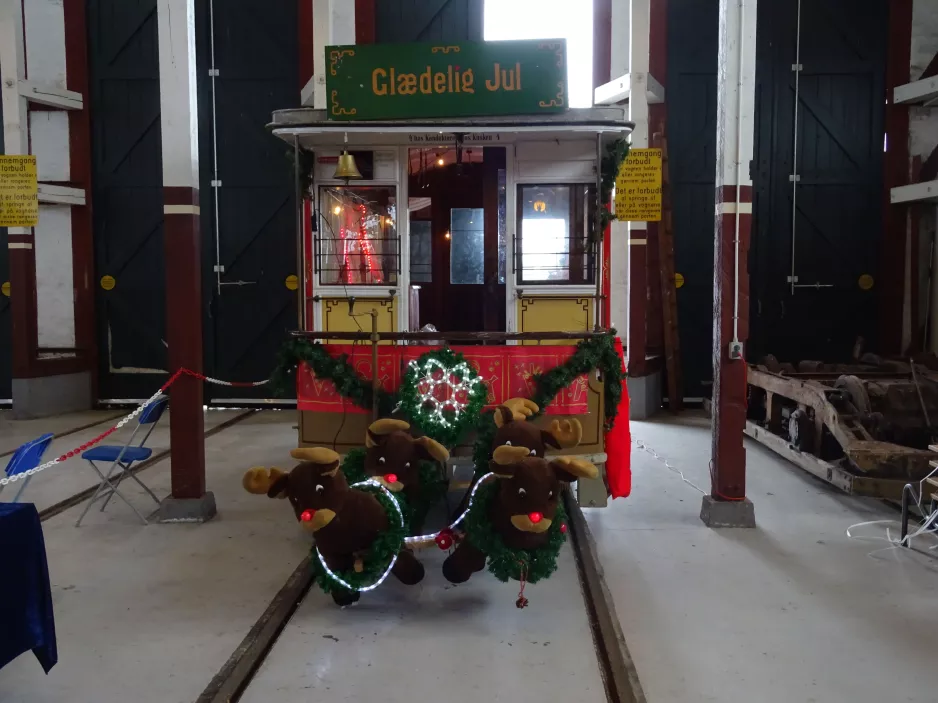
726	506
182	245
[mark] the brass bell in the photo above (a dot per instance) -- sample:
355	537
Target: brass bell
346	168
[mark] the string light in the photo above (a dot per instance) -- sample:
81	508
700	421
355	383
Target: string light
472	495
338	579
429	397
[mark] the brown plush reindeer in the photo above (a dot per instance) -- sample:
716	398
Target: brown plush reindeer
513	430
343	520
393	456
524	506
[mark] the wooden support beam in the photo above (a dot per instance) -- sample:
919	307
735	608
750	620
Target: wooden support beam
51	96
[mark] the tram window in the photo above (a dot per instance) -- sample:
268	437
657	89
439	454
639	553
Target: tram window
421	252
556	234
467	246
357	241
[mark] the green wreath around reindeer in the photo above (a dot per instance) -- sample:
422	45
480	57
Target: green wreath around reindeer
504	562
376	563
433	485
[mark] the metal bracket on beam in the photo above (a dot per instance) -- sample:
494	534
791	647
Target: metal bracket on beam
51	96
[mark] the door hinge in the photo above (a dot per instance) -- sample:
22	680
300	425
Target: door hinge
794	178
216	184
797	67
792	279
213	72
218	268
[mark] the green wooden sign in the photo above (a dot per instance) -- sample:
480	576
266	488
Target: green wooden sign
398	81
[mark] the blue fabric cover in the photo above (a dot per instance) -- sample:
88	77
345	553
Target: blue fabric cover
110	453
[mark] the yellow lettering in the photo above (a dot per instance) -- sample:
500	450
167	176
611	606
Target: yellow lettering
376	88
449	80
393	81
467	79
407	83
497	80
426	82
439	82
518	74
508	79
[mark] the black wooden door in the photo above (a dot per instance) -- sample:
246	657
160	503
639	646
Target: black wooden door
692	101
399	21
810	281
254	235
128	198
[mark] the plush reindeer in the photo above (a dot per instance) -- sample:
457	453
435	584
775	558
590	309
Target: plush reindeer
513	430
524	505
393	458
343	520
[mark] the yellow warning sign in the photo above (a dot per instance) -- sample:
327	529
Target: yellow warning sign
638	187
19	191
865	282
678	280
292	282
5	288
108	282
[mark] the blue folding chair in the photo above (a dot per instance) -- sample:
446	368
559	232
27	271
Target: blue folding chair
26	458
122	458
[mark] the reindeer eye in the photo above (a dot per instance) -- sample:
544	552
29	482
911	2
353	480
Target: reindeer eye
534	452
550	494
508	443
319	488
407	465
521	493
380	459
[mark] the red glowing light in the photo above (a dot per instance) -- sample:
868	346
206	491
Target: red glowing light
307	515
390	478
535	517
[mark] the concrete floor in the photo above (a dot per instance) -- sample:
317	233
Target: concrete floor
74	475
150	614
438	642
793	610
13	433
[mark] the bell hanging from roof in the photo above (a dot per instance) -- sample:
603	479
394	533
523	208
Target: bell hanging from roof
346	169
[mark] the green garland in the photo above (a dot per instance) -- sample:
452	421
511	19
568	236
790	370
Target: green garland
457	423
596	353
433	485
503	562
616	153
338	370
382	551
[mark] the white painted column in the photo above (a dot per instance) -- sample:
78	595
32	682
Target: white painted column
333	24
49	137
12	71
619	231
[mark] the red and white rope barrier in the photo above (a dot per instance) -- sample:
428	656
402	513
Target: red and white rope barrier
5	480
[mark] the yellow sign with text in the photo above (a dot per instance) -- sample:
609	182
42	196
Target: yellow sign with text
19	191
638	187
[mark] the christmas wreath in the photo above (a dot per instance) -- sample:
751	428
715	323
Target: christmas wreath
377	563
433	485
442	395
505	563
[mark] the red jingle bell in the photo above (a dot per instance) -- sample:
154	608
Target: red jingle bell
563	528
444	540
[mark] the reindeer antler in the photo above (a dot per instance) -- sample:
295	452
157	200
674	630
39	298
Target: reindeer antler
566	433
320	456
506	454
382	427
520	409
259	480
580	468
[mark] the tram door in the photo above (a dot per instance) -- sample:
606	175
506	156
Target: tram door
457	236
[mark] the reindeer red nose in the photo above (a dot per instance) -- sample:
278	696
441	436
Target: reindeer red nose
390	478
535	517
307	515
